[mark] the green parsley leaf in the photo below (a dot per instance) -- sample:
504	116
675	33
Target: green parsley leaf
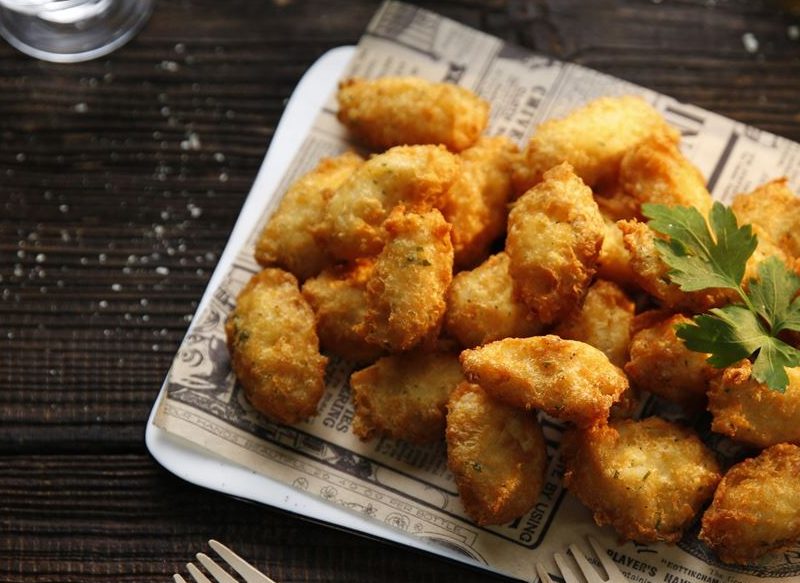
698	258
769	292
729	334
714	254
773	357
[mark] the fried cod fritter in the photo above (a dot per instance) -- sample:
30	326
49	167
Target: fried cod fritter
481	306
756	508
651	273
476	204
661	364
603	321
555	232
413	175
648	479
592	138
406	294
338	297
404	395
655	171
395	111
567	379
496	453
291	238
274	347
774	211
614	261
750	412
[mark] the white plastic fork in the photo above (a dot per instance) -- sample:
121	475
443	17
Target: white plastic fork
589	572
248	572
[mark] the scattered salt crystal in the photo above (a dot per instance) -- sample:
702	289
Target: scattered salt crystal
750	42
793	32
116	287
81	107
161	270
170	66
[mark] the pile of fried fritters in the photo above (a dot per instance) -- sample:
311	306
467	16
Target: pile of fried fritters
573	315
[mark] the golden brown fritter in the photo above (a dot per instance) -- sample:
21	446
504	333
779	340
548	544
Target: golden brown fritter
614	261
555	232
404	395
395	111
567	379
655	171
661	364
750	412
592	138
648	479
651	273
476	204
274	347
774	211
417	176
338	297
290	238
406	293
481	306
603	321
496	453
756	508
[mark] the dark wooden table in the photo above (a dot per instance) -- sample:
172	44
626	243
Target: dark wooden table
120	180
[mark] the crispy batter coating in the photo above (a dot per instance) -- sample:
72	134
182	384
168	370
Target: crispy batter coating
338	297
496	453
291	239
750	412
592	138
651	273
555	232
774	210
567	379
481	306
404	395
648	478
614	203
614	261
661	364
476	204
603	321
655	171
756	508
406	293
274	347
394	111
414	175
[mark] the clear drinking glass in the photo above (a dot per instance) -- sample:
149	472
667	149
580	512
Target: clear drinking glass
69	31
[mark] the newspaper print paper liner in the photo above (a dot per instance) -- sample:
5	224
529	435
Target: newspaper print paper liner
387	488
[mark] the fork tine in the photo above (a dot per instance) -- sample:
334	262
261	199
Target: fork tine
613	572
216	571
566	571
197	574
585	566
249	573
544	576
178	579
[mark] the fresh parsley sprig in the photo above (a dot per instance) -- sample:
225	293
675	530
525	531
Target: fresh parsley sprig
700	257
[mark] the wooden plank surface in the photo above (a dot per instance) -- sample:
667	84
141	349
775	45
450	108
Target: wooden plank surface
120	180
